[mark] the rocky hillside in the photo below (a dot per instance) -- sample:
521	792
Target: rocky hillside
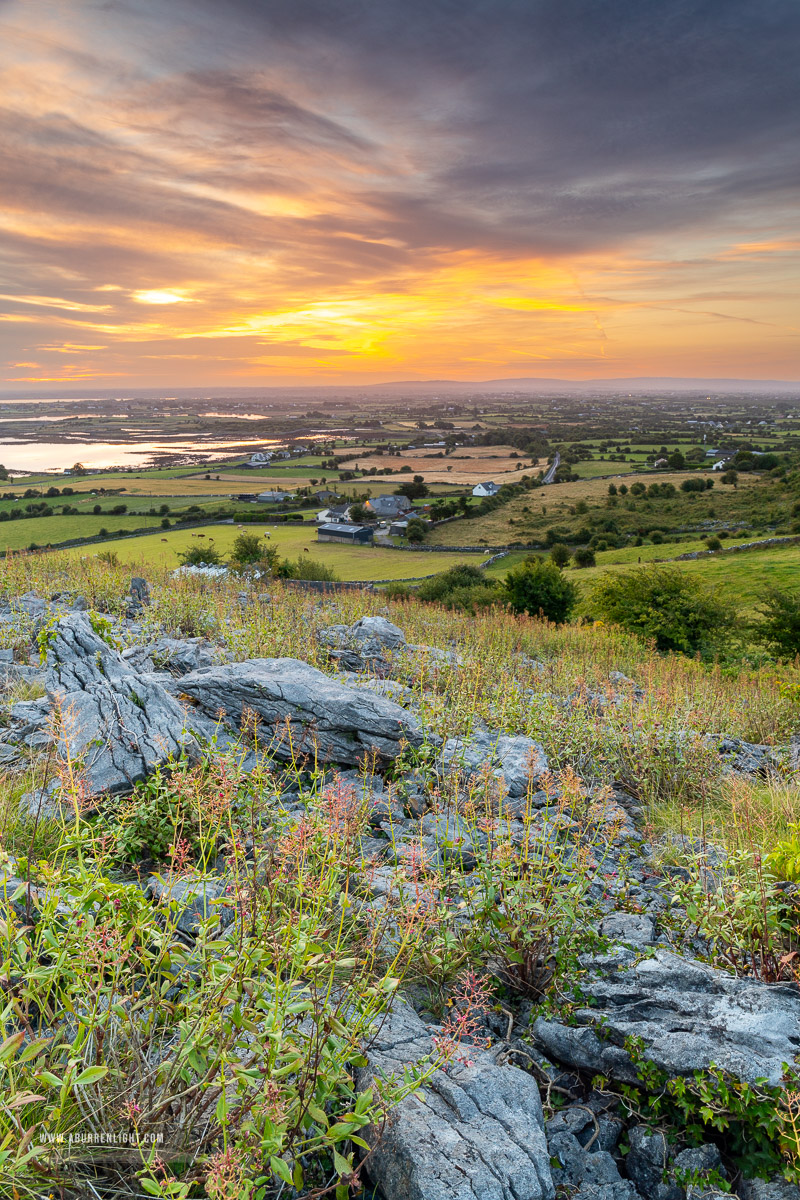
305	896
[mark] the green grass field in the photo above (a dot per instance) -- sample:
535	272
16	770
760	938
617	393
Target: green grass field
596	467
741	579
47	531
85	502
350	562
628	555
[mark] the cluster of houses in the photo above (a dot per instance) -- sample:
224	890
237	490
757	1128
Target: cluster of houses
335	525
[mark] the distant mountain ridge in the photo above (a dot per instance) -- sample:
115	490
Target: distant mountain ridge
638	384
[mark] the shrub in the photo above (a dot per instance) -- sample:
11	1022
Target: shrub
310	568
247	548
664	603
200	556
696	485
584	557
560	554
438	587
397	591
713	543
471	599
661	491
416	530
779	626
538	587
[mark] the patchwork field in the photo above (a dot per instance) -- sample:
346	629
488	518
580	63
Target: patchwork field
467	465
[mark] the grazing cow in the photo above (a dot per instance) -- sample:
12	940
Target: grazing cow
305	549
163	539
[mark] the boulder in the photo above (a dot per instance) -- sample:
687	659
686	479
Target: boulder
362	646
178	656
377	629
139	596
302	711
475	1132
647	1163
687	1014
768	1189
635	929
119	725
585	1173
517	761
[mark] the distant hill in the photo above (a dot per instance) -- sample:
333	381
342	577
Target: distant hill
640	384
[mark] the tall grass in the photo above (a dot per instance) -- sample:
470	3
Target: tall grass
241	1045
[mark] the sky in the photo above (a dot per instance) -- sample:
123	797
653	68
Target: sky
252	192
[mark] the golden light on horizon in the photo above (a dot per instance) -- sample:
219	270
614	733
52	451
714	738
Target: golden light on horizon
328	208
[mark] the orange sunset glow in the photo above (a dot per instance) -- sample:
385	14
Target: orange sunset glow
203	194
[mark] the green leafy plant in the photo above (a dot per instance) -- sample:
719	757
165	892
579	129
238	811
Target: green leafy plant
779	623
741	915
164	812
199	556
538	587
755	1118
663	603
784	860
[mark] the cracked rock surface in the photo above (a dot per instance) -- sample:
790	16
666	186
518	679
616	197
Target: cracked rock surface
121	725
516	760
688	1015
303	711
473	1133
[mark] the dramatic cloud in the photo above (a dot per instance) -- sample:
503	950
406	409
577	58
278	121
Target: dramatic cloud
271	189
